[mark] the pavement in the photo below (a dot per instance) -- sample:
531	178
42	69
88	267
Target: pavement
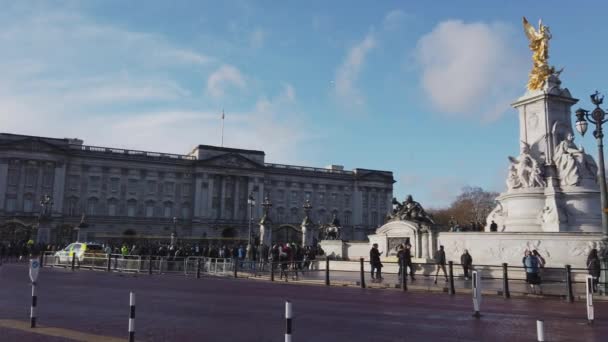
94	306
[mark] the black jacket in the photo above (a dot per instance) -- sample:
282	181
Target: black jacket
374	256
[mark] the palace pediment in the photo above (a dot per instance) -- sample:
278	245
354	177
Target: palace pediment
231	160
374	176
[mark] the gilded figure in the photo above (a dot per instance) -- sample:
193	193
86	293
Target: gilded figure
539	44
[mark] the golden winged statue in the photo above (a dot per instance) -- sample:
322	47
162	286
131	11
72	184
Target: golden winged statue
539	44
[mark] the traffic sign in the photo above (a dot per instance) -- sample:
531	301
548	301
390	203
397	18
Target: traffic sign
34	269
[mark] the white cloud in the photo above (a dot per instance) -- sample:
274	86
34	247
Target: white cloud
470	69
393	19
348	73
64	75
257	38
225	76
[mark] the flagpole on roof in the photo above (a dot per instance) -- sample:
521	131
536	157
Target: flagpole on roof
223	117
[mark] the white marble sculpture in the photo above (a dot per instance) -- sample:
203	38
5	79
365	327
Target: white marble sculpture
524	172
573	164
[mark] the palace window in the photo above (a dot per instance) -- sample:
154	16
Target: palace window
28	203
11	204
170	188
374	219
150	209
92	206
132	208
347	201
185	211
151	187
30	176
94	182
112	208
346	220
72	207
114	184
294	197
132	186
168	209
13	177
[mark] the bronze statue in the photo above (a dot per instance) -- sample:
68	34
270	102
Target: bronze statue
409	210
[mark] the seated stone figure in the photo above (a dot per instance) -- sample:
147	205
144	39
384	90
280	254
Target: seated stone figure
573	164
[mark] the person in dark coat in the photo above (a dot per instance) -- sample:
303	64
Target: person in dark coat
440	261
466	260
407	256
374	260
594	267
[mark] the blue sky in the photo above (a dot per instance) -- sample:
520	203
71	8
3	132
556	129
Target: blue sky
419	88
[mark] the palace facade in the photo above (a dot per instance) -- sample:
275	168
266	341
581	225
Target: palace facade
138	194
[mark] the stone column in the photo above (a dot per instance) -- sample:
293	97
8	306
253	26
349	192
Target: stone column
198	195
425	245
3	181
307	232
237	191
210	196
222	195
59	187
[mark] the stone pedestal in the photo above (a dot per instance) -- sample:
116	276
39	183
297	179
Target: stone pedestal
334	249
44	234
266	232
308	233
551	199
394	233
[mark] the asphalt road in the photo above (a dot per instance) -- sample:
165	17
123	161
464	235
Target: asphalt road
175	308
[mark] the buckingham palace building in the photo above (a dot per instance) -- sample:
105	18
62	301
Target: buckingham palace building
108	193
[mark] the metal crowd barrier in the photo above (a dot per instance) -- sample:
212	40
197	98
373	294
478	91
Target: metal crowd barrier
502	279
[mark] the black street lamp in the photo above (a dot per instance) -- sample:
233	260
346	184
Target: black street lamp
598	118
251	202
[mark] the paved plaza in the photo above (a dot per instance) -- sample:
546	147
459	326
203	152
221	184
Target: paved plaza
89	306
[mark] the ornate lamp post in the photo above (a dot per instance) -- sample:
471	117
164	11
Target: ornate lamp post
251	202
598	118
266	236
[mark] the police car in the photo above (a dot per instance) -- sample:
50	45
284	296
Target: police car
78	248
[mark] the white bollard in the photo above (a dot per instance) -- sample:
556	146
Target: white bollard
540	330
132	317
476	294
590	314
288	323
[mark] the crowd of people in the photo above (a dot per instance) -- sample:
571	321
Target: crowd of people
533	264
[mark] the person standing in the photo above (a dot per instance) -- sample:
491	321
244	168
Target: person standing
594	267
466	260
374	260
493	227
532	268
440	260
401	260
407	255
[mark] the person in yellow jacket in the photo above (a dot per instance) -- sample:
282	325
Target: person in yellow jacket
124	250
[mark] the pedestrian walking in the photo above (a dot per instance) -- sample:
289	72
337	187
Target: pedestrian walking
532	268
466	260
440	260
376	265
594	267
